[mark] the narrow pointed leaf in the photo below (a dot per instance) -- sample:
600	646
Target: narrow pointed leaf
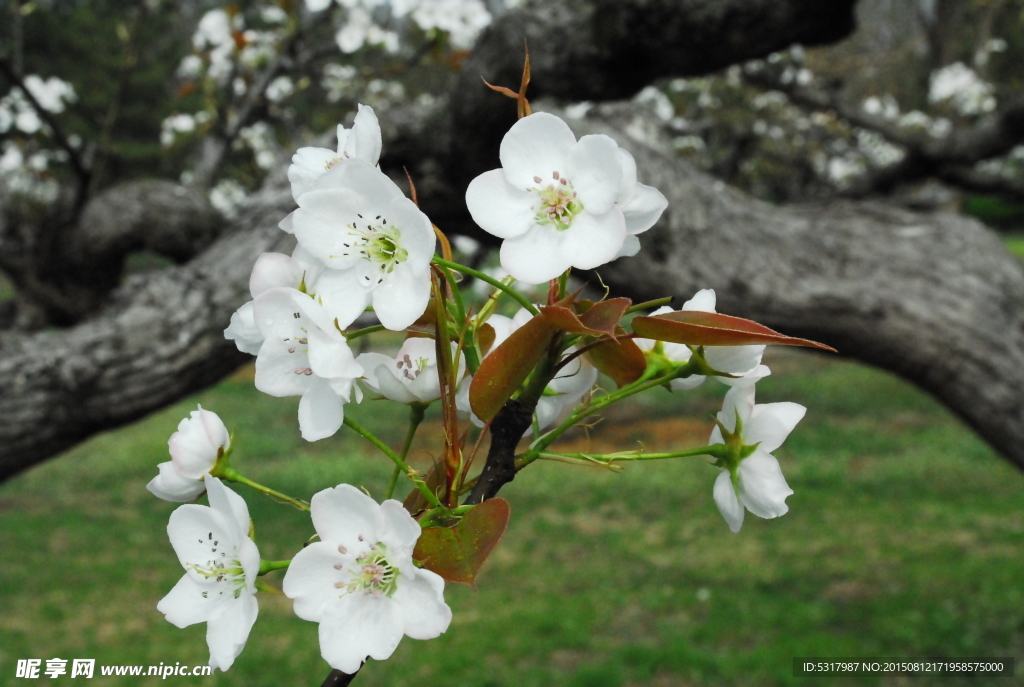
562	318
457	553
712	329
506	368
621	360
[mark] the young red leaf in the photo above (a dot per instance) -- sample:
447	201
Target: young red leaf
605	316
457	553
562	318
505	369
712	329
621	360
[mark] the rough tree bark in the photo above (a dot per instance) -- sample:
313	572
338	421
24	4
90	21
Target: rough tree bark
934	298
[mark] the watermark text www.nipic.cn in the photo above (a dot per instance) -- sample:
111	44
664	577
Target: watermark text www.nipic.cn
86	667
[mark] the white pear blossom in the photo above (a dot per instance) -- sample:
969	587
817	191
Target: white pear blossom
559	202
359	581
200	440
221	564
305	355
755	483
271	271
375	242
409	377
362	142
742	361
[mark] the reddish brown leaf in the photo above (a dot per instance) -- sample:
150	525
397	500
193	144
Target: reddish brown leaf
485	338
457	553
562	318
503	371
621	360
605	316
711	329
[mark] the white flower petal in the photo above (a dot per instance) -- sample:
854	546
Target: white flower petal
763	489
344	514
420	600
309	580
643	209
371	186
185	604
321	411
734	359
728	505
343	298
200	534
364	140
229	628
500	208
535	146
594	240
537	256
194	446
595	171
274	270
402	297
231	506
400	531
630	247
771	423
628	186
702	301
243	330
418	236
170	485
390	387
331	356
276	367
285	225
358	626
308	165
739	400
752	377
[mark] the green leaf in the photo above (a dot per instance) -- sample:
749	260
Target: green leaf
505	369
457	553
711	329
621	360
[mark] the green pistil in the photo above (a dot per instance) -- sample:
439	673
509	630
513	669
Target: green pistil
558	205
374	574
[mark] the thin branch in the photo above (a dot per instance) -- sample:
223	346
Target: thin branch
80	169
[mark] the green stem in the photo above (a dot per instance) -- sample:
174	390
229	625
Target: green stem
267	566
428	518
364	331
515	295
649	304
715	450
233	475
647	381
398	461
460	305
416	413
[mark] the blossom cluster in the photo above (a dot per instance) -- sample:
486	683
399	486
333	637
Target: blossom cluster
558	203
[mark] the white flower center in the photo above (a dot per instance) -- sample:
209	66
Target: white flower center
223	568
377	242
373	574
410	369
558	202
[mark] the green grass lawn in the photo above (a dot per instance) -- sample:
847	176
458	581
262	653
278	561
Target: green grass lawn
904	539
